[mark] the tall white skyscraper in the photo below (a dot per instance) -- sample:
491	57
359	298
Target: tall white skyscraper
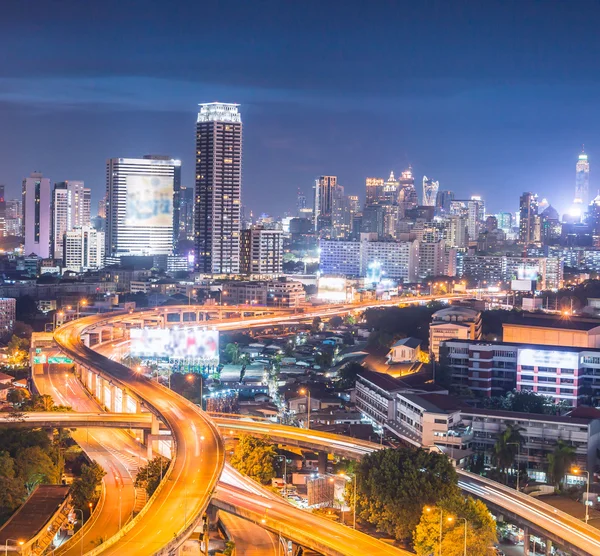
70	209
218	188
582	180
430	190
139	213
36	215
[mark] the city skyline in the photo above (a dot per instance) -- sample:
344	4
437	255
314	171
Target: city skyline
439	108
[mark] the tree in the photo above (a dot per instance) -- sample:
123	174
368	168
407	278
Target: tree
17	351
229	548
35	467
481	528
560	461
232	353
254	457
336	321
350	319
347	374
84	487
317	324
395	484
12	495
16	396
43	403
506	448
26	308
150	475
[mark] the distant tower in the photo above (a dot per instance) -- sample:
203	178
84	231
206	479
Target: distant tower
300	202
582	180
430	190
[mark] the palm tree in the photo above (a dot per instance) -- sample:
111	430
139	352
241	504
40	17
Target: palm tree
560	461
507	446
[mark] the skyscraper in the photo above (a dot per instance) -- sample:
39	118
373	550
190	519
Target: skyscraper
300	202
36	215
528	211
430	190
70	208
582	180
139	212
374	190
14	217
218	188
2	212
186	214
324	188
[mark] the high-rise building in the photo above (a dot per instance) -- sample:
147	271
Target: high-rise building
261	251
457	234
70	208
300	202
324	188
374	188
83	249
442	202
341	214
2	212
139	212
186	213
389	193
102	206
14	217
504	221
528	211
582	180
218	188
430	191
36	215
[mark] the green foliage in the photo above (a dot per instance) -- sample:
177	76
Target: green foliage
35	466
16	396
42	403
506	448
12	495
335	322
84	487
232	353
150	475
17	350
26	308
254	457
395	484
324	358
523	402
229	548
481	528
350	319
560	461
347	374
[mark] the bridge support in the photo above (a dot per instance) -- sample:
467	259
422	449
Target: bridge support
548	547
322	463
526	541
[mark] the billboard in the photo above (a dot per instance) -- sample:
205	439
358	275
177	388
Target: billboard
548	358
523	285
196	344
149	201
332	288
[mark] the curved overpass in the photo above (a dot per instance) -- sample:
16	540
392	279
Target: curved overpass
197	462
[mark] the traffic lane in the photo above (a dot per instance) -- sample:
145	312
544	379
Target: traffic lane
249	539
570	531
343	540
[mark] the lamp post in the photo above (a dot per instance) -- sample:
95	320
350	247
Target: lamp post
576	470
355	493
518	445
19	542
429	510
450	519
284	474
80	529
307	392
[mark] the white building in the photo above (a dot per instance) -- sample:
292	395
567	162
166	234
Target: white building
453	323
431	259
70	209
261	252
83	249
139	217
36	215
340	258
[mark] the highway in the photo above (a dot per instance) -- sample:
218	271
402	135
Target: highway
194	472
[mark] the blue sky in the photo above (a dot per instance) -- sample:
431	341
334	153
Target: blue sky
490	98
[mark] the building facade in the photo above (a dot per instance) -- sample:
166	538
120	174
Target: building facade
218	188
83	249
36	215
261	251
71	203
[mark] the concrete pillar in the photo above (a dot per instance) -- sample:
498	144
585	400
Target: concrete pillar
525	541
322	463
548	547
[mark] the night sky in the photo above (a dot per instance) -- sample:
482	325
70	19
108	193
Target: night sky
490	98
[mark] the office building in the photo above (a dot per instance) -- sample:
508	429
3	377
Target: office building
8	307
14	217
83	249
430	191
300	202
453	323
341	214
431	259
186	214
373	220
323	200
374	189
504	220
218	188
102	206
36	215
140	206
582	180
261	251
457	232
70	209
528	211
442	202
2	212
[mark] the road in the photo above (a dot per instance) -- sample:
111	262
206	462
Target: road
249	538
194	472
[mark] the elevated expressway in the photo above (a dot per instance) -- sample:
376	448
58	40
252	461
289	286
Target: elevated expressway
539	517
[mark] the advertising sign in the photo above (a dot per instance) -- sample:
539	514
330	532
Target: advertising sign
548	358
331	288
176	343
149	202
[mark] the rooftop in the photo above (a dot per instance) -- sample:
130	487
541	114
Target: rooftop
381	380
551	321
408	342
435	403
528	416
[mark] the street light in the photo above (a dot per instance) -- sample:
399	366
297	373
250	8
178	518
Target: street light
80	529
284	474
306	391
355	496
19	542
450	520
429	510
518	444
576	470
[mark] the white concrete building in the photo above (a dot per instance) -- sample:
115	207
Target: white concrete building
83	249
70	209
36	215
453	323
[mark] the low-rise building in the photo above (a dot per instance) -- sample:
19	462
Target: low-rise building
404	351
453	323
8	307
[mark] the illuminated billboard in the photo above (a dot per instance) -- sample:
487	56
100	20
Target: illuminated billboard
332	288
548	358
196	344
149	201
523	285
